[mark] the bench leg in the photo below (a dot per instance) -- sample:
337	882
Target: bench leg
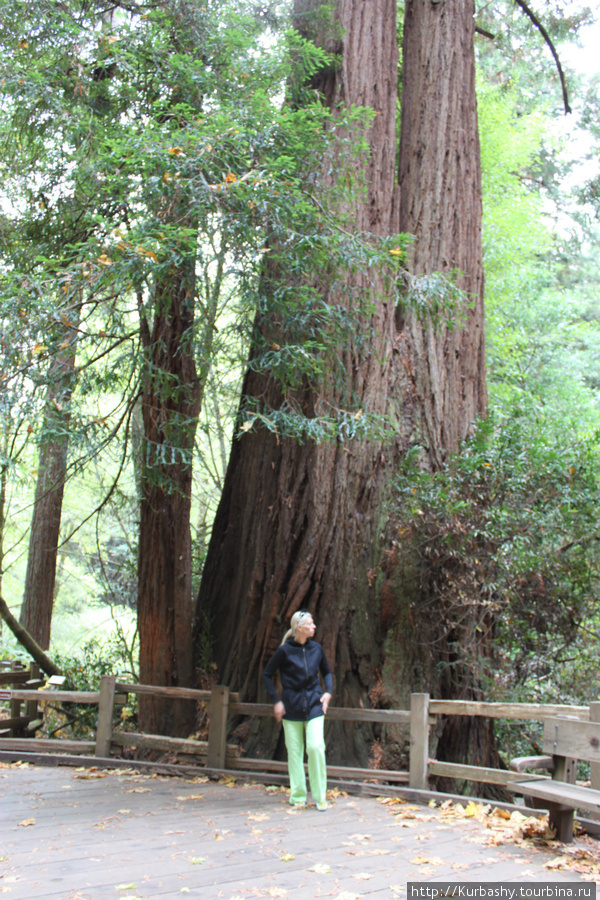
561	819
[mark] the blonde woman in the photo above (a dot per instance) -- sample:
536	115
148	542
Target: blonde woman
302	706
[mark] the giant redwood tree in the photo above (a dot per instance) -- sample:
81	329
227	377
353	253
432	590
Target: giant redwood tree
302	524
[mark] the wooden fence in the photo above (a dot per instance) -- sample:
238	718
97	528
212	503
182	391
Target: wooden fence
217	754
12	675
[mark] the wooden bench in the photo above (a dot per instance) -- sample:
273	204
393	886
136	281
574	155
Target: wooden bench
565	740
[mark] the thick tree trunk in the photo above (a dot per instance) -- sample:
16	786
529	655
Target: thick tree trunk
440	204
40	577
170	406
299	525
303	525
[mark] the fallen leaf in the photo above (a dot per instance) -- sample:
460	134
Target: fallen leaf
321	869
362	876
287	857
259	817
125	887
191	797
360	837
197	860
27	822
427	860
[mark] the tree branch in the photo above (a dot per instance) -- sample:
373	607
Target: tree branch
548	40
26	641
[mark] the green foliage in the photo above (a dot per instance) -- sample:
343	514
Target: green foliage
84	671
509	529
541	337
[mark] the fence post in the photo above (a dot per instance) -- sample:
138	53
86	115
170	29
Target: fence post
15	705
216	754
595	767
31	707
419	741
105	715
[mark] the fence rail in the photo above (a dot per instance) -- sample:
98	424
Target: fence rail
216	753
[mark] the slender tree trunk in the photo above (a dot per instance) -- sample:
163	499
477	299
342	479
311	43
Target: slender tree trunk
440	204
170	406
40	577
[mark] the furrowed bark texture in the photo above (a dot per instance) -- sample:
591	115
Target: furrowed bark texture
170	406
440	204
40	576
298	525
303	525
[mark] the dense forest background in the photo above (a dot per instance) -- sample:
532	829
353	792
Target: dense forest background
244	281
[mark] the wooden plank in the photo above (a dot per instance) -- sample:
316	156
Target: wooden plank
573	795
47	745
476	773
419	741
170	744
217	731
19	677
58	696
335	713
537	711
522	763
15	722
175	693
276	765
572	738
106	708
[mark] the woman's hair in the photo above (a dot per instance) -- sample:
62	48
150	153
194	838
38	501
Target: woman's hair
296	620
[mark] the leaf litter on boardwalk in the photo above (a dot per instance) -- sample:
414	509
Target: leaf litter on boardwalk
504	826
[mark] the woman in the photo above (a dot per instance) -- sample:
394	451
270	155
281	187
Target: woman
302	706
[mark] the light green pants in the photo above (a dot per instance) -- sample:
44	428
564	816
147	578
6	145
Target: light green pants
315	750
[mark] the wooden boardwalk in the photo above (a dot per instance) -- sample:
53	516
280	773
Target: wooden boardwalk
70	834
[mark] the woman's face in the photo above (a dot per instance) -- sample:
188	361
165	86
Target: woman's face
305	629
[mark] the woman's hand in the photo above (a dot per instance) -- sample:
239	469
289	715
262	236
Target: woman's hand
279	711
325	702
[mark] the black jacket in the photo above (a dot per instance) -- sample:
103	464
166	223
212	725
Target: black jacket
299	667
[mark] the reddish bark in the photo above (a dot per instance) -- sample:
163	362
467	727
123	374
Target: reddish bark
40	577
170	406
303	525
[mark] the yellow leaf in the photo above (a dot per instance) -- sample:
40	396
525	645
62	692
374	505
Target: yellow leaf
502	813
104	260
39	348
23	45
230	178
321	869
287	857
176	151
167	177
27	822
396	252
191	797
125	887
